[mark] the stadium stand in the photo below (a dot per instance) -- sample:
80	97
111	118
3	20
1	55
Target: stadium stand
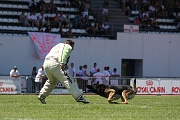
10	11
167	17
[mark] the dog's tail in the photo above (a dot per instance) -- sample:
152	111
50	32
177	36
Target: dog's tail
134	86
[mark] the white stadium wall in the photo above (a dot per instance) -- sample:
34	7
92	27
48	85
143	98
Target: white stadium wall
160	53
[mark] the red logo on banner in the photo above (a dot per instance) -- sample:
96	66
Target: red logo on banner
149	82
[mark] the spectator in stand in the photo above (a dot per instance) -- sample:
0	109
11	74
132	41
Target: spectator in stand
52	8
74	3
98	77
56	20
43	19
66	3
42	6
128	7
136	21
154	24
137	5
84	21
32	5
69	34
90	28
98	28
48	29
62	21
105	11
152	10
23	19
32	19
61	32
106	28
81	7
39	78
144	13
101	31
145	22
72	70
14	72
67	22
176	7
77	23
86	7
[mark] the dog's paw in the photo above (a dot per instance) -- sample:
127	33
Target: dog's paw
123	102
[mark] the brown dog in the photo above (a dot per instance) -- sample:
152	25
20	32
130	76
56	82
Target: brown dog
112	92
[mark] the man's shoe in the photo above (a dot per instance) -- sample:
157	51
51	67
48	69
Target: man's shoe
42	99
81	99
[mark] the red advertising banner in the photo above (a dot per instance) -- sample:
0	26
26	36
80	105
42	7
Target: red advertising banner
157	85
9	85
131	28
44	42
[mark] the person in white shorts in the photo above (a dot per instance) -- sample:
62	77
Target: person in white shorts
55	66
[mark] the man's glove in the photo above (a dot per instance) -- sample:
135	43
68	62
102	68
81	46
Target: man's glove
64	67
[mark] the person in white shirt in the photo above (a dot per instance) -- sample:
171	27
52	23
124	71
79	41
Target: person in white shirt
106	75
86	76
106	28
43	18
80	71
38	79
14	72
98	77
32	19
93	69
72	70
115	73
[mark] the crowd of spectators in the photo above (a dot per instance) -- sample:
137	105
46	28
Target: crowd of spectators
39	17
150	10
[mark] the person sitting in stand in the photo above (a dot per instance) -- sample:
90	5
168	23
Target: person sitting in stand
90	28
69	34
106	28
23	19
154	24
43	19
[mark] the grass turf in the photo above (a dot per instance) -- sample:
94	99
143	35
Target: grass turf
64	107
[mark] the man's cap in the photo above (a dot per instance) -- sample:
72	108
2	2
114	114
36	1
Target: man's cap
15	67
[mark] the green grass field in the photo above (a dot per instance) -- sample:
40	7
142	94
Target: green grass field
64	107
